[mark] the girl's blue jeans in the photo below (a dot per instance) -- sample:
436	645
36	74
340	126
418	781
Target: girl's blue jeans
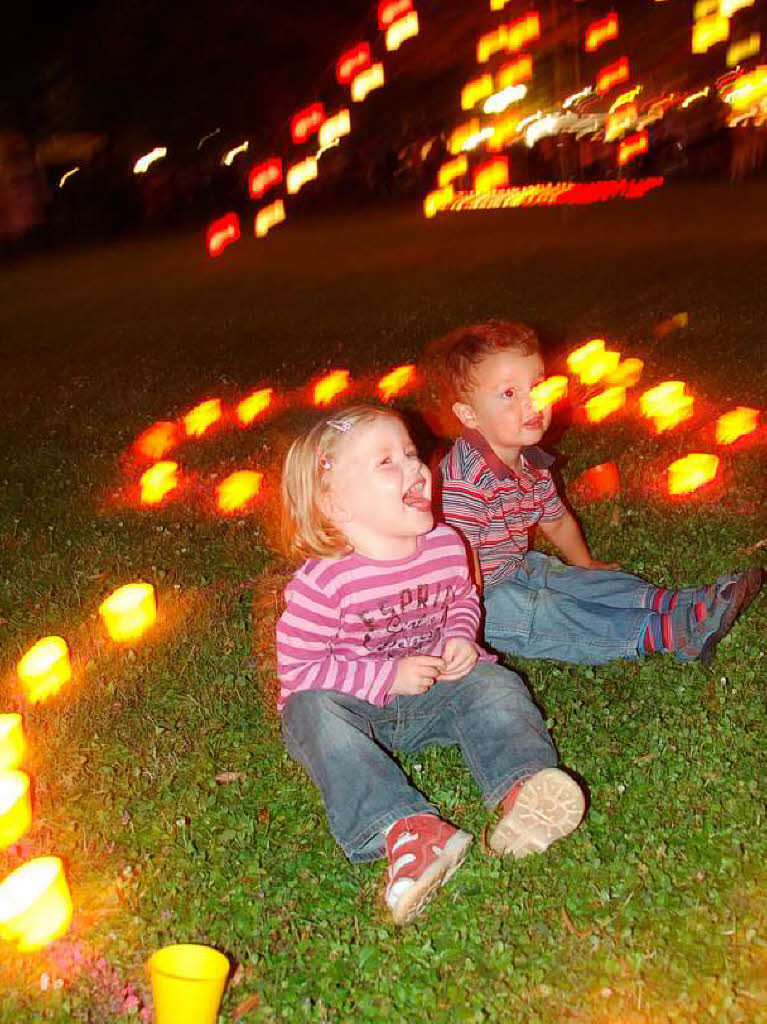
551	610
345	744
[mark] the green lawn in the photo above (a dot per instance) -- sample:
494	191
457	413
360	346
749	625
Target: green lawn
653	911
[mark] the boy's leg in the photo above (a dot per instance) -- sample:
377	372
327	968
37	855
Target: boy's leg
343	744
612	587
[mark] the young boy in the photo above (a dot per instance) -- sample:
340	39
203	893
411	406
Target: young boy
496	486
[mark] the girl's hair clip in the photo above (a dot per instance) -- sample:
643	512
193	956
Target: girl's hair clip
340	425
325	461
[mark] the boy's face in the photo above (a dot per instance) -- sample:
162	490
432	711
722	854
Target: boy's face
500	406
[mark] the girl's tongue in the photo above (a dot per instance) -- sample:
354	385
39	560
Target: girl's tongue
415	498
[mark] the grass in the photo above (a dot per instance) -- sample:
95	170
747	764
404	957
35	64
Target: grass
653	911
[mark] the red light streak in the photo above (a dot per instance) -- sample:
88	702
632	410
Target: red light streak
523	31
223	232
390	11
351	61
306	122
264	176
602	31
632	146
613	74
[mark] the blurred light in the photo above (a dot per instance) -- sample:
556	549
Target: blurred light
334	128
620	121
625	97
581	357
451	170
15	807
748	89
44	669
476	140
708	32
159	480
438	200
627	373
35	904
491	174
129	611
401	30
228	159
735	424
566	104
461	134
498	5
612	75
223	232
742	49
516	71
475	91
693	97
548	392
299	174
239	488
601	31
254	405
549	194
521	125
351	62
332	384
306	122
269	217
704	8
523	31
144	162
491	43
202	416
539	129
633	146
66	175
264	176
666	405
499	101
504	129
394	381
12	742
157	440
693	471
367	80
605	404
390	10
210	135
728	7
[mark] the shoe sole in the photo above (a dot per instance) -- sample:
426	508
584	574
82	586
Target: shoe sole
549	806
413	900
746	588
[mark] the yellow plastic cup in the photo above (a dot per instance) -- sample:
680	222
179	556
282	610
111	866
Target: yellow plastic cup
187	984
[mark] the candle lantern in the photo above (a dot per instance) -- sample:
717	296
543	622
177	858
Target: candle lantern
332	384
129	611
15	807
204	415
627	373
35	904
602	481
732	425
693	471
548	392
605	404
45	668
187	984
254	405
393	382
12	743
157	481
234	493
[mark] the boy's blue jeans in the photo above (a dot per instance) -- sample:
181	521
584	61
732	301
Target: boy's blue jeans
345	743
551	610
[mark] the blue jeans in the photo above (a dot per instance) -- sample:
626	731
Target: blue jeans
345	745
551	610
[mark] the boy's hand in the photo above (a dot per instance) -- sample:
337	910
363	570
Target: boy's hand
460	657
416	674
596	564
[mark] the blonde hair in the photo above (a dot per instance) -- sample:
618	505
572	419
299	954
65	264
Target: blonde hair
306	531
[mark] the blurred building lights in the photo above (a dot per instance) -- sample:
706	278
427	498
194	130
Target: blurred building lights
709	32
366	81
143	163
67	175
475	91
330	386
499	101
401	30
491	43
458	137
472	141
390	11
705	8
335	128
438	200
228	158
299	174
523	31
269	217
498	5
223	232
504	129
699	95
620	121
252	406
306	122
206	138
451	170
632	146
540	127
516	71
729	7
491	174
600	32
157	482
625	97
747	89
613	74
735	424
743	49
351	62
691	472
199	419
574	97
264	176
44	669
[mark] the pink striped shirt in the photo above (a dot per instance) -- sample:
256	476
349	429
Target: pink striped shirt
347	621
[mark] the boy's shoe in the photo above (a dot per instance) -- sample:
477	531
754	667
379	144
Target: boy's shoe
537	811
697	641
424	852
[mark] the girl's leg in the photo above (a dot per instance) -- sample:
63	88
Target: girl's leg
343	743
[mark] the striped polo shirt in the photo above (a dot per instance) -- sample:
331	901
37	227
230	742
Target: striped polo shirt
348	620
494	507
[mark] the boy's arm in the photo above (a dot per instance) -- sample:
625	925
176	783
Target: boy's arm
566	535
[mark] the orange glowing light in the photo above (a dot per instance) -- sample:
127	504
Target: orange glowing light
394	381
748	89
223	232
461	135
519	70
619	121
306	122
302	172
157	440
234	493
390	10
498	5
15	807
523	31
264	176
605	404
491	174
505	128
438	200
476	90
592	362
667	405
268	217
735	424
693	471
129	611
332	384
581	356
707	32
451	170
158	481
602	481
491	43
351	62
12	742
627	373
367	80
44	669
402	29
632	147
613	74
35	904
198	420
335	127
743	49
254	405
548	392
601	31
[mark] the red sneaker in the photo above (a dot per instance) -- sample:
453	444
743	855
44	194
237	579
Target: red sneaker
424	852
536	812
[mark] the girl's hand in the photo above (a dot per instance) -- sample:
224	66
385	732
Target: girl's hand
416	674
460	657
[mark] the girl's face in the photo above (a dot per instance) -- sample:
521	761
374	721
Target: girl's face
380	491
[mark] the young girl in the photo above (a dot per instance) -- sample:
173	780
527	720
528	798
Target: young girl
377	651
